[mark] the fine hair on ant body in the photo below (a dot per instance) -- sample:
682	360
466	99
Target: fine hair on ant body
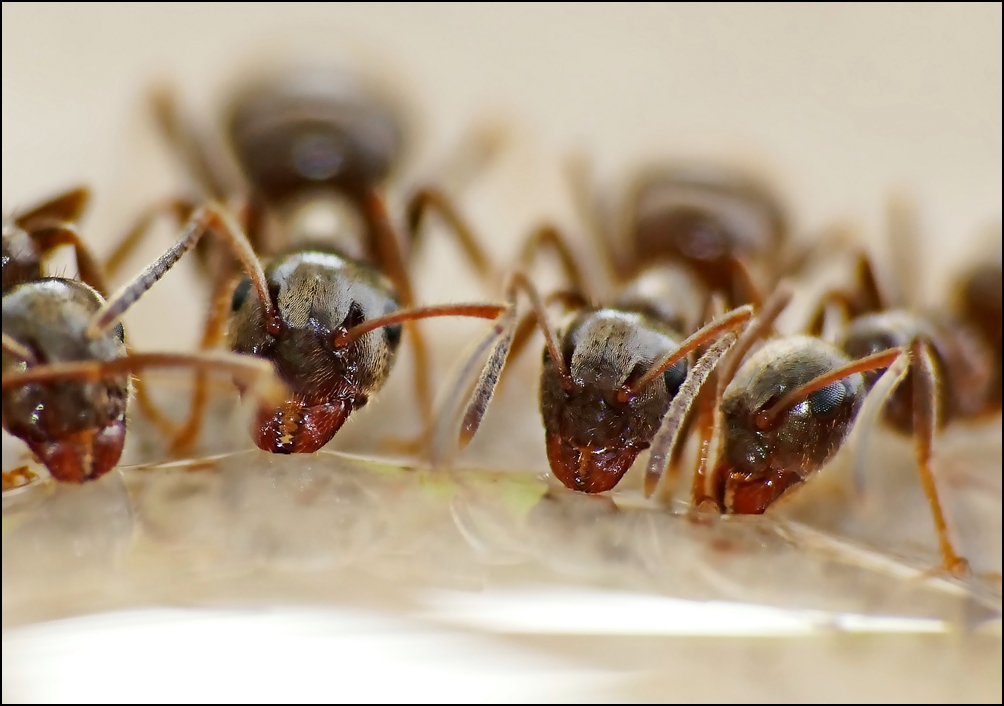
66	369
302	138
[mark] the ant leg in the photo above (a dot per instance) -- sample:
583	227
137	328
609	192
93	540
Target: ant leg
212	334
430	198
666	439
761	326
458	421
184	139
210	217
578	175
246	370
744	289
528	324
863	298
64	208
387	251
478	147
51	237
925	399
548	236
14	347
178	209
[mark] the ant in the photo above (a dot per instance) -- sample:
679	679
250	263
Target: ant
66	378
788	408
610	373
303	139
693	232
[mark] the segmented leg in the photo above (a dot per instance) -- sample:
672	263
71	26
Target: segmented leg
212	336
925	400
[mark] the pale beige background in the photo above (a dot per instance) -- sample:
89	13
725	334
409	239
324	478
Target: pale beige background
837	104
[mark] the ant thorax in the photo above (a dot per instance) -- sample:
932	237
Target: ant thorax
758	462
76	427
313	128
592	438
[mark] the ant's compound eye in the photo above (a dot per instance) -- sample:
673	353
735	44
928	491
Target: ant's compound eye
393	334
674	377
546	357
826	401
119	332
355	316
241	294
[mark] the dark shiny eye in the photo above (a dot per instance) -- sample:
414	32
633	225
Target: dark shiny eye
119	332
355	316
393	334
828	400
674	377
241	294
546	357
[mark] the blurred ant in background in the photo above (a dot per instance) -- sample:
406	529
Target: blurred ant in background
302	139
66	379
723	226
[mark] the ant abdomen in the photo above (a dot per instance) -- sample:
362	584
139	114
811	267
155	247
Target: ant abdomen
762	457
710	219
592	436
314	129
76	427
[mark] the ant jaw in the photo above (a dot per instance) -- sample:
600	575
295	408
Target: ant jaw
295	427
588	470
741	494
84	455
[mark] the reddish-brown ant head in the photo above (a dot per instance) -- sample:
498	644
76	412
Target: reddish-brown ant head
592	437
314	128
76	428
708	218
762	458
318	295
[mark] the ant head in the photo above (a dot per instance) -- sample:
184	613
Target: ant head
77	428
319	296
314	129
592	436
762	457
